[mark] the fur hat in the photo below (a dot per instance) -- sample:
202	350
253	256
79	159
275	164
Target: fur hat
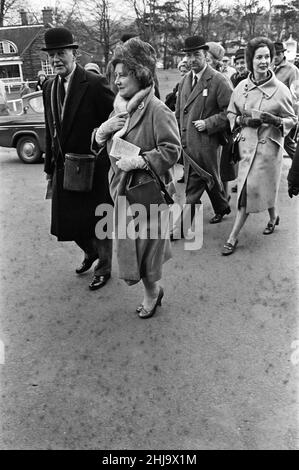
216	50
138	57
40	73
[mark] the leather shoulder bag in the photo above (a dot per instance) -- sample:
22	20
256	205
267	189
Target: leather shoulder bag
146	187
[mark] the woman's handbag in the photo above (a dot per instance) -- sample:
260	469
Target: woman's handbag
78	172
234	142
145	187
230	145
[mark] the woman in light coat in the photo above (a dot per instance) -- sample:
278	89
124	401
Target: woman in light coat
142	119
262	106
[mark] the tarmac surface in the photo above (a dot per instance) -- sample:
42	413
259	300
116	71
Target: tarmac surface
215	368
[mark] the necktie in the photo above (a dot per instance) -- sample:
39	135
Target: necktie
195	80
62	90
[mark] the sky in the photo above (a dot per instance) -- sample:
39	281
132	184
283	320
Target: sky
117	7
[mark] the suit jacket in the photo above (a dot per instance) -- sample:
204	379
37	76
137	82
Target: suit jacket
208	101
88	103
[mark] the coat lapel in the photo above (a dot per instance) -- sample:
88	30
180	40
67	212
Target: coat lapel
200	86
76	90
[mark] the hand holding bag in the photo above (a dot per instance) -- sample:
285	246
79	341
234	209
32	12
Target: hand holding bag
145	187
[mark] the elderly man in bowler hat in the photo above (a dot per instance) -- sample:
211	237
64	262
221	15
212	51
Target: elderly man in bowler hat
288	74
203	97
76	101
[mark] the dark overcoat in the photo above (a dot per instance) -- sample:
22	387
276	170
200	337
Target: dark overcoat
88	103
208	101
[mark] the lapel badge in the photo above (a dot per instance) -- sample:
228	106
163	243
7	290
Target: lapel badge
205	92
141	106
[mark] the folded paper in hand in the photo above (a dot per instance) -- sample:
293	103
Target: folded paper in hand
122	149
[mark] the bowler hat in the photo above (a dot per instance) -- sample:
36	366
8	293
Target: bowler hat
279	47
193	43
240	54
59	38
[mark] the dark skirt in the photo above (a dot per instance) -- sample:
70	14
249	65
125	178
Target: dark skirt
228	170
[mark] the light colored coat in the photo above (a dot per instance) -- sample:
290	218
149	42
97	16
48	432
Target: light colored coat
261	149
153	128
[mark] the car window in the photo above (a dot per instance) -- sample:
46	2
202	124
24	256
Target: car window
37	104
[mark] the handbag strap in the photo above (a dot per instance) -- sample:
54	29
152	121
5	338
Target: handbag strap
157	178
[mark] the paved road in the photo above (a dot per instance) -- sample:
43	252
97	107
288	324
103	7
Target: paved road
212	370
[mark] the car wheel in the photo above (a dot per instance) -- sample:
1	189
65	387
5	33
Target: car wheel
29	150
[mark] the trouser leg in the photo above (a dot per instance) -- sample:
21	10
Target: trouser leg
87	245
290	144
104	251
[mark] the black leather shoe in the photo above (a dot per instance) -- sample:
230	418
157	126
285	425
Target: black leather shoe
271	226
99	281
218	217
86	265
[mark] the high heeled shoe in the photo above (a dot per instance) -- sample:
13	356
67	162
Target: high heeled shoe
143	313
270	227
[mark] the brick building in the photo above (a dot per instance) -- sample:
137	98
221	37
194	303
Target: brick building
20	49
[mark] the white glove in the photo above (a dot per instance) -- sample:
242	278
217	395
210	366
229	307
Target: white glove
110	126
131	163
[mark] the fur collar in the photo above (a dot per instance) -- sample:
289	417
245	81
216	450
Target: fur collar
136	102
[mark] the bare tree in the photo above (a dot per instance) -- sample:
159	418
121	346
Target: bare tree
8	7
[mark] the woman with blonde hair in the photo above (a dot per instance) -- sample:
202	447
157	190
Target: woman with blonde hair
141	119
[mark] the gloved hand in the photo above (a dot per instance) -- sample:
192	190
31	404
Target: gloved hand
247	121
293	190
131	163
269	118
114	124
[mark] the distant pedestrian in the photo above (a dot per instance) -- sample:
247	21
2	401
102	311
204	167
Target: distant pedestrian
92	67
25	89
171	98
215	55
241	68
4	110
42	78
288	74
262	106
227	70
76	102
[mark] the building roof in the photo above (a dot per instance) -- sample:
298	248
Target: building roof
21	36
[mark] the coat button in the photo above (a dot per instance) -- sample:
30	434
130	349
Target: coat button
184	129
185	111
242	138
263	141
184	146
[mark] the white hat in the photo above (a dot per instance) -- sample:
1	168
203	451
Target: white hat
92	67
